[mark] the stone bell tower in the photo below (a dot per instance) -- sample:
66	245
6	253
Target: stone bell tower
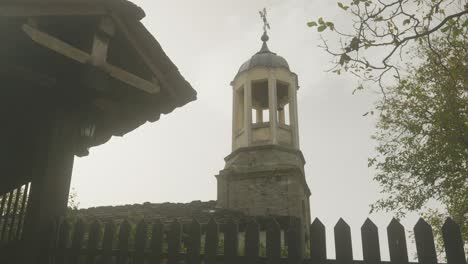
264	174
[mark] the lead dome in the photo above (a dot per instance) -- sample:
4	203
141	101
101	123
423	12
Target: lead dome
264	58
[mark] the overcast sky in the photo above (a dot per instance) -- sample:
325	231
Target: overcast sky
176	158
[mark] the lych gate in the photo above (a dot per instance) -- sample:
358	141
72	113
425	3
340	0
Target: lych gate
74	73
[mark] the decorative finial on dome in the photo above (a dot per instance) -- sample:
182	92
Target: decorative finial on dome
266	26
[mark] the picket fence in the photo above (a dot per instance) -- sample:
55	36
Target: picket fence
211	243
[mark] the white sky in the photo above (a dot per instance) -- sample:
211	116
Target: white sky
176	158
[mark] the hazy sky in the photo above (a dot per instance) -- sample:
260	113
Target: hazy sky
176	158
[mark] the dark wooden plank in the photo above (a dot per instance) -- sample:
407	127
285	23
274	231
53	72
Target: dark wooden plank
252	242
22	211
62	244
140	242
93	242
294	246
397	243
453	242
4	198
231	241
22	10
370	242
6	216
211	241
343	244
48	243
157	235
425	243
77	242
107	242
273	242
174	240
318	242
14	212
194	243
122	244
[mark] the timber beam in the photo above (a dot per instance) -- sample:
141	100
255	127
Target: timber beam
97	58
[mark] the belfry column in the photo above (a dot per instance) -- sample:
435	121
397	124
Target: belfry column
273	105
234	116
248	111
293	114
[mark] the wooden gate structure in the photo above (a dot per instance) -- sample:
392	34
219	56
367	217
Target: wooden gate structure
73	74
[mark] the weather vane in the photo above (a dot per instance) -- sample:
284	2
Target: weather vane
266	25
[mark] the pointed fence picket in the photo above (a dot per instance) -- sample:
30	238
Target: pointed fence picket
397	243
343	246
318	248
370	242
156	243
252	242
231	242
273	242
425	245
194	243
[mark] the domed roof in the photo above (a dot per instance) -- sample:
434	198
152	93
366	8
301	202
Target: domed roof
264	58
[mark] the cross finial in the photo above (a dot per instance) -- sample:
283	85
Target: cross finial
263	15
266	25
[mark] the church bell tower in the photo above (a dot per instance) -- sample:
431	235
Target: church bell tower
264	174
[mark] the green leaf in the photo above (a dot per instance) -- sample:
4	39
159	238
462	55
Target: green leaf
321	28
330	25
354	45
311	24
344	59
379	18
343	6
320	20
445	29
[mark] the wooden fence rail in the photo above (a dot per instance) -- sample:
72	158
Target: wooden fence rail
194	243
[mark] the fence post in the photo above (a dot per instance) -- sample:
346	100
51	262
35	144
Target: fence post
13	215
425	243
21	213
109	233
343	245
93	241
397	243
124	234
370	242
273	242
252	242
77	242
157	234
194	245
211	241
453	242
62	245
231	242
174	242
318	242
294	245
48	247
6	216
140	242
